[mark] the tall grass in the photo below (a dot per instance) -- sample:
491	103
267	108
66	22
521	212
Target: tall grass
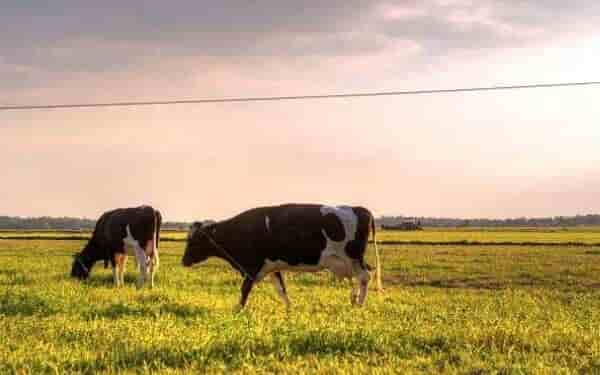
452	309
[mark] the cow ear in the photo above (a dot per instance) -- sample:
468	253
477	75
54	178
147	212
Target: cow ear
193	228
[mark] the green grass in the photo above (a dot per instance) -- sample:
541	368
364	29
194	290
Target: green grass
583	235
452	309
576	235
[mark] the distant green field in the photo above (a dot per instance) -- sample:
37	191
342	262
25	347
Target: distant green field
582	235
585	235
454	309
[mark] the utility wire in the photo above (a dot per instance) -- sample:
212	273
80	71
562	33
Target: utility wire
294	97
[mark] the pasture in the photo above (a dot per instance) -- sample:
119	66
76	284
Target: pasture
447	308
577	235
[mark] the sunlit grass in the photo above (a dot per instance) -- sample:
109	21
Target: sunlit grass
582	235
456	309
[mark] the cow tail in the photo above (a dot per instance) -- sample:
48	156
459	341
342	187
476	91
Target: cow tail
157	224
377	258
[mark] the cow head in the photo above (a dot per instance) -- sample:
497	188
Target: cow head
81	267
199	245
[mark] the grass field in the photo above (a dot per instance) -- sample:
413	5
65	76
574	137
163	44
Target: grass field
575	235
446	308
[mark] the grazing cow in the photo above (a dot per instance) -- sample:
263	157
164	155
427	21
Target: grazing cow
118	233
295	237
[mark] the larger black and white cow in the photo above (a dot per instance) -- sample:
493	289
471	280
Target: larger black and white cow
296	237
118	233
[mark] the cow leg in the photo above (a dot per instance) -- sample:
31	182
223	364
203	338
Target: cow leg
280	286
142	262
153	265
118	266
363	281
121	268
246	288
155	252
153	259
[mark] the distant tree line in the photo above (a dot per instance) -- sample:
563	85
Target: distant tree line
64	223
557	221
82	224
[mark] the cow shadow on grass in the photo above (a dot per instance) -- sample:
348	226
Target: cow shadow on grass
490	282
103	280
324	278
233	352
18	304
150	310
11	277
480	282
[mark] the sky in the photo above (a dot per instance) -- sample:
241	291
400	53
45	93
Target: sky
482	154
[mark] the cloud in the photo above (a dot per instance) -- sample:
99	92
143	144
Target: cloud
444	26
65	32
58	47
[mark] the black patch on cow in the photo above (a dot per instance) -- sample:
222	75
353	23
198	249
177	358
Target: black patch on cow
333	227
355	249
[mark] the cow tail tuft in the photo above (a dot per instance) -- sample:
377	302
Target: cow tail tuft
377	258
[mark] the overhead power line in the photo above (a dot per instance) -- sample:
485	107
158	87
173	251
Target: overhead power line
294	97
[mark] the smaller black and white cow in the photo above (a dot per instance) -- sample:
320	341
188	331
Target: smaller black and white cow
118	233
295	237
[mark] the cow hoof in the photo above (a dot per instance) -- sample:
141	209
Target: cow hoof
237	309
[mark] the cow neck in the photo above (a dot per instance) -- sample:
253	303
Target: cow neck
90	255
222	253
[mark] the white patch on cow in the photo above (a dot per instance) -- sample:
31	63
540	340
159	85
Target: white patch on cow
133	246
334	255
347	217
130	242
267	223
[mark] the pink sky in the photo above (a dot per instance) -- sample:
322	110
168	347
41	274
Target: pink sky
500	154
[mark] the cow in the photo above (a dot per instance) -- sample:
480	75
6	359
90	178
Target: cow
291	237
118	233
